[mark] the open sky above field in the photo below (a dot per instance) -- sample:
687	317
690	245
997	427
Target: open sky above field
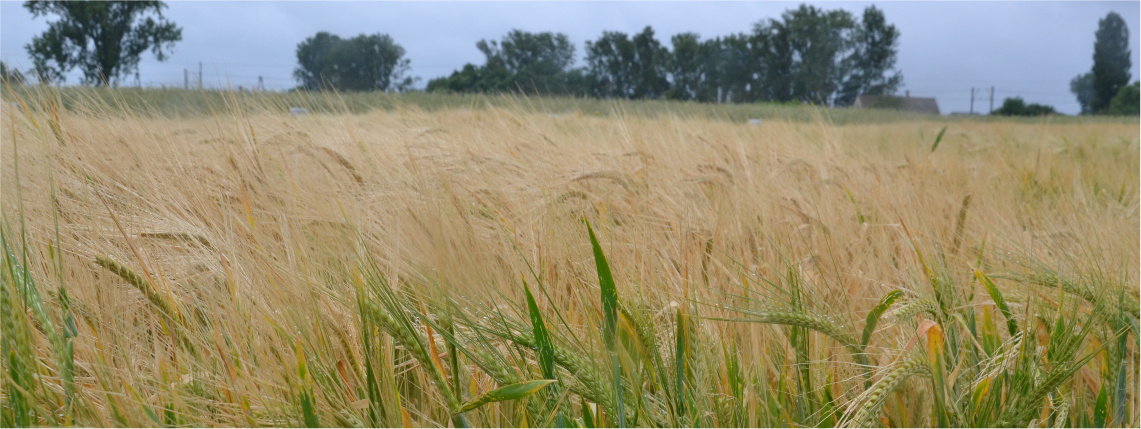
1025	49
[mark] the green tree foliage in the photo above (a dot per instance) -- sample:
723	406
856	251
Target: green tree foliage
10	76
103	39
467	79
534	59
1082	87
624	67
1110	60
739	68
650	65
871	64
520	61
820	41
1127	101
1017	107
362	63
711	70
610	65
809	55
686	66
1096	89
777	56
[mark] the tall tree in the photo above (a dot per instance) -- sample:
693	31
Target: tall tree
376	62
737	69
685	66
103	39
534	61
1110	60
363	63
610	69
870	67
711	55
624	67
778	57
494	75
650	65
534	55
819	40
313	60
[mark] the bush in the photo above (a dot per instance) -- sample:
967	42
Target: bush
1016	107
1127	101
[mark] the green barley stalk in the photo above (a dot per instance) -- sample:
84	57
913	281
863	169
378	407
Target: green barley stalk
506	393
679	363
610	315
166	309
394	319
18	277
545	350
938	138
999	301
1050	279
20	381
593	383
308	407
870	328
801	320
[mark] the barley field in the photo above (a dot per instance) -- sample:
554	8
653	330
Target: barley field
500	261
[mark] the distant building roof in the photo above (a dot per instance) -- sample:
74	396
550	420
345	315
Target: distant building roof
905	103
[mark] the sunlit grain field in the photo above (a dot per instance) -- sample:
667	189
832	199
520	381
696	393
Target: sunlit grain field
431	267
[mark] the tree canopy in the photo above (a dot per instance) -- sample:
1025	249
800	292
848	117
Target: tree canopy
1111	62
520	61
870	68
610	65
103	39
809	55
362	63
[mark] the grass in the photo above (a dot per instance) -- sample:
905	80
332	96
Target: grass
204	259
180	103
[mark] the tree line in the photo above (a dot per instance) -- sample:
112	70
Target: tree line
808	55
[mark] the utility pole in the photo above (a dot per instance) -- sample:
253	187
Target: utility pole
992	99
185	78
200	75
972	101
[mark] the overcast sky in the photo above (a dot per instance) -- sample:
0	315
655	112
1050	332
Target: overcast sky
1027	49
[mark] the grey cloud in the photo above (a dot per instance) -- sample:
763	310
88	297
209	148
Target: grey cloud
1022	49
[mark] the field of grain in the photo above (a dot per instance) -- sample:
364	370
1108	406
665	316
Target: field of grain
412	267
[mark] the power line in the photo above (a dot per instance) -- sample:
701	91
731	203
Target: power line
991	99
